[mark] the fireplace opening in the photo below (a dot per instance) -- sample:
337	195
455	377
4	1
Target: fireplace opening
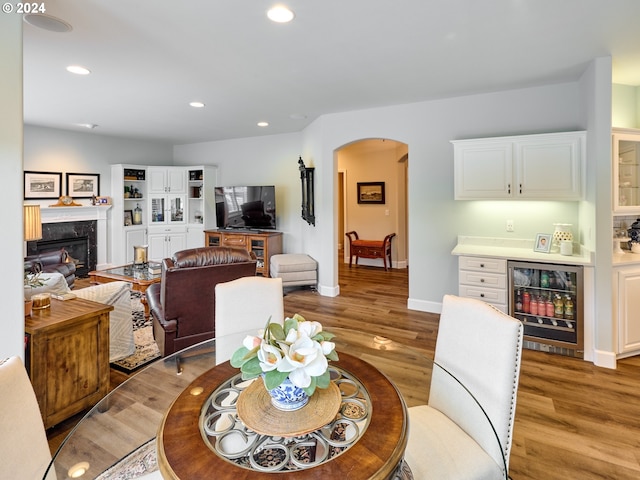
79	239
77	248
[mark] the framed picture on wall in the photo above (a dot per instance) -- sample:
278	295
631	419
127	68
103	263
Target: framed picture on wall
83	185
128	218
42	185
370	192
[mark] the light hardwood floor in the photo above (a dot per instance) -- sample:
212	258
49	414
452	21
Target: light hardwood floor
573	420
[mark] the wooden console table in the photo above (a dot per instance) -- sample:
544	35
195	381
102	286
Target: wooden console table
67	356
369	248
263	244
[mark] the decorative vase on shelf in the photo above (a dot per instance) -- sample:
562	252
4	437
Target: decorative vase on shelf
561	233
288	397
634	233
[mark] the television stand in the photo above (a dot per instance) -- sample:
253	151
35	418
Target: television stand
263	243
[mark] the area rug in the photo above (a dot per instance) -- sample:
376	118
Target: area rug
146	347
139	462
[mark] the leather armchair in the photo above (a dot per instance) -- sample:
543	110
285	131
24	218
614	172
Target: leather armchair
182	305
56	261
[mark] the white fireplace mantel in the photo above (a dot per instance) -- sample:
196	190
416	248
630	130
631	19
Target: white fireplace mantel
80	214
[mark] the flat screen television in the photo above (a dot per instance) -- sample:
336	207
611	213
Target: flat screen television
251	208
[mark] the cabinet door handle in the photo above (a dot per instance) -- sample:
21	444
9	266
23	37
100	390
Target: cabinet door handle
482	265
482	295
482	280
521	188
509	188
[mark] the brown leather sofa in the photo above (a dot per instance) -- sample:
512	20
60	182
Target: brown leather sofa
56	261
182	305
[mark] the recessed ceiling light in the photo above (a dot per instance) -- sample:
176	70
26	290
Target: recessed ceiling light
78	70
197	104
47	22
90	126
263	124
280	14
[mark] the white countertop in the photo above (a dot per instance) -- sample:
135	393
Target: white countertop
626	258
519	249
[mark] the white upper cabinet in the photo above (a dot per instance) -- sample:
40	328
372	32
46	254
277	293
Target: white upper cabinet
626	171
528	167
167	180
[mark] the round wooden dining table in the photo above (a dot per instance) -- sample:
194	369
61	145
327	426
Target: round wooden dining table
152	423
377	453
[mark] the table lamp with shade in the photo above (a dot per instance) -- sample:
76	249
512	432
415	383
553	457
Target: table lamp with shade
32	224
32	231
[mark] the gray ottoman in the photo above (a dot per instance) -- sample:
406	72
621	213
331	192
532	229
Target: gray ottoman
295	269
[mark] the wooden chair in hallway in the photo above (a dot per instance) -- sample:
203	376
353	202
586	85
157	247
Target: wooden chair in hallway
370	248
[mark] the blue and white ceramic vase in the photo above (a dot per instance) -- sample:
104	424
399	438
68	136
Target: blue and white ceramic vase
287	397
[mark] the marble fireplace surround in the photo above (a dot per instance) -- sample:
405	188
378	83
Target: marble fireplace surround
79	214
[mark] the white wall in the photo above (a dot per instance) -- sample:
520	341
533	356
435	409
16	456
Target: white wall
55	150
625	106
270	160
435	219
11	240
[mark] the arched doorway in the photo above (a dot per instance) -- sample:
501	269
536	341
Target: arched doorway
380	161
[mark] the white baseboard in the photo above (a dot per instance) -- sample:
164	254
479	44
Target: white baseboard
424	306
604	359
328	291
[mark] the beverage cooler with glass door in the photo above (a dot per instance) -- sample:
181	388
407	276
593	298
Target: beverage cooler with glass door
547	299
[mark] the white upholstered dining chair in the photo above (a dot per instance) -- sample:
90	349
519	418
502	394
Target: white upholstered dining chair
246	304
450	437
24	450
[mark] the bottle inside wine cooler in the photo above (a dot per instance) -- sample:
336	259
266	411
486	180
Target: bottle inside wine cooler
526	302
559	306
518	303
549	307
568	308
533	305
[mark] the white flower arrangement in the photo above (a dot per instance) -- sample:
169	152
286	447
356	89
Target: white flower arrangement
299	350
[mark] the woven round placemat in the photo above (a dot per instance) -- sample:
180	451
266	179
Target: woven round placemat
256	411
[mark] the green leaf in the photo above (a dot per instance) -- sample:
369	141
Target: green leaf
312	387
299	317
322	381
251	367
274	378
327	335
252	353
290	323
239	357
246	376
333	356
275	329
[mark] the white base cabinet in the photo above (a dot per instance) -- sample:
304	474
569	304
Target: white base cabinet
133	237
526	167
626	284
165	242
485	279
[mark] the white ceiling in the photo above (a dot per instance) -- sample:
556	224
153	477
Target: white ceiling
150	58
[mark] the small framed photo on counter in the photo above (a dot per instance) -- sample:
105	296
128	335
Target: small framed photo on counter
543	243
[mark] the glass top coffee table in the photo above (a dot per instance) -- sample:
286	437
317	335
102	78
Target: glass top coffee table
139	277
